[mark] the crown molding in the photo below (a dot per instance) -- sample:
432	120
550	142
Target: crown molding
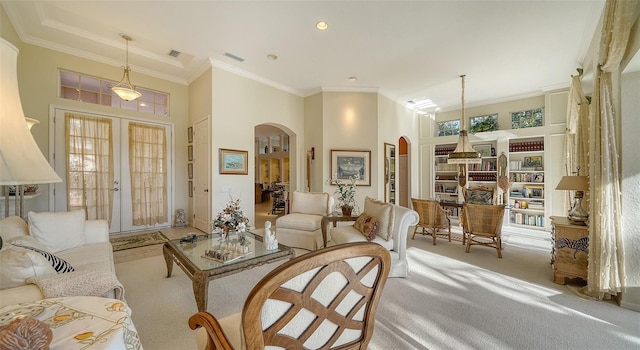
243	73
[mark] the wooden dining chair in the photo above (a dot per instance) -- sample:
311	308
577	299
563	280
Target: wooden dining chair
482	225
325	299
432	218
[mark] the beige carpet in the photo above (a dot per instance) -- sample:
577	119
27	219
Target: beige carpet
451	300
136	240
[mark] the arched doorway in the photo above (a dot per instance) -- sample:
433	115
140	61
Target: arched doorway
404	172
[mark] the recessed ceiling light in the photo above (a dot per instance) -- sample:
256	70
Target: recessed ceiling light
322	25
272	57
353	78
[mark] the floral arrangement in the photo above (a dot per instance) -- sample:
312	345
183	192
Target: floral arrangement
231	218
346	192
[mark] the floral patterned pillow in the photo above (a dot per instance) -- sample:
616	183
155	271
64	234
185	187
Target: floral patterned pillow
367	225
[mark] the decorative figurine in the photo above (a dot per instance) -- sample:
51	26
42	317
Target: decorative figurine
180	218
270	241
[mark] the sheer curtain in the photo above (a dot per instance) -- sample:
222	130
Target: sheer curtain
89	151
148	168
606	253
577	135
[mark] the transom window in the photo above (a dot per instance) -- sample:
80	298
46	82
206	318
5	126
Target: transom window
85	88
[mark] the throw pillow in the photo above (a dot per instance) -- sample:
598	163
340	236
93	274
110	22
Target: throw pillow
58	263
367	225
58	231
19	264
13	227
384	213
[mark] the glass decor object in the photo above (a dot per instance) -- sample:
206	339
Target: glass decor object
527	119
483	123
448	128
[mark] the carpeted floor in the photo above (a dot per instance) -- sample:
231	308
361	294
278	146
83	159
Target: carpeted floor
136	240
451	300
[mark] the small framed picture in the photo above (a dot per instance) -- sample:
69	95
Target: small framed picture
190	188
533	161
190	134
190	153
233	162
484	150
190	170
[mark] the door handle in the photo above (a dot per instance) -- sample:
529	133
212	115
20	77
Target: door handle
114	189
207	190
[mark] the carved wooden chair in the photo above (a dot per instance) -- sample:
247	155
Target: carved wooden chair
325	299
482	225
432	218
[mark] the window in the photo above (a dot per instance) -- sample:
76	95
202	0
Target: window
79	87
483	123
527	119
451	127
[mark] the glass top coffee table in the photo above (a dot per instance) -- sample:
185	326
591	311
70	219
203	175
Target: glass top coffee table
209	257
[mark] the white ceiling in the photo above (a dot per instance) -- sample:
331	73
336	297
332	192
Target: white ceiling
404	50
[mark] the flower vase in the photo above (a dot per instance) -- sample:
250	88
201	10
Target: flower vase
346	210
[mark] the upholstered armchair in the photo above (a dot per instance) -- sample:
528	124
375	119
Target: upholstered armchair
324	299
301	228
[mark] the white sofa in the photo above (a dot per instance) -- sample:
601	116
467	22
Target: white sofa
401	219
84	244
301	227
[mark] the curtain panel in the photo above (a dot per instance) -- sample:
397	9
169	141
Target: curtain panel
148	169
606	250
89	161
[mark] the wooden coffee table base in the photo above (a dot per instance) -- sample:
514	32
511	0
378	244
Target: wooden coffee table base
200	279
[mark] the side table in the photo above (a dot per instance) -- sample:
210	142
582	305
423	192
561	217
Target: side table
570	249
334	218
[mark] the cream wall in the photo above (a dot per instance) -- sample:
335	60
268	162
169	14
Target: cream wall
313	121
395	121
238	105
38	83
350	122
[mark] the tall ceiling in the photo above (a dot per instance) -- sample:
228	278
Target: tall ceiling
405	50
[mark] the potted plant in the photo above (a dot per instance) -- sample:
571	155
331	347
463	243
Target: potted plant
346	194
231	218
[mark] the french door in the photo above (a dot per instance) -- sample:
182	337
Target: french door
101	181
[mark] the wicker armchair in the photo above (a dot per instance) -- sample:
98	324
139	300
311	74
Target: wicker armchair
432	219
482	225
346	282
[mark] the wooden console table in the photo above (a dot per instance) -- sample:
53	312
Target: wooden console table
334	218
570	250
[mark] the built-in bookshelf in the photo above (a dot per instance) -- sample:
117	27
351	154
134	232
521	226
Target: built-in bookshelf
526	197
446	175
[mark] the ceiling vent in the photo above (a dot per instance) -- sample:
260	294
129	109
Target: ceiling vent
174	53
230	55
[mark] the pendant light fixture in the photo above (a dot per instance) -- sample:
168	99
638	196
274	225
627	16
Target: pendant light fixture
124	89
464	152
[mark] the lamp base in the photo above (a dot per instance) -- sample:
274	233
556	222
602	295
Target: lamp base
577	214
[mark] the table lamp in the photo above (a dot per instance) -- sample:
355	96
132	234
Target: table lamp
21	161
579	184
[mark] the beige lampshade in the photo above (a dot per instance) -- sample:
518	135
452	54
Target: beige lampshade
573	183
21	161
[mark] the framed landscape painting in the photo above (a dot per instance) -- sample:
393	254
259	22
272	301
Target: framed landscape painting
346	164
233	162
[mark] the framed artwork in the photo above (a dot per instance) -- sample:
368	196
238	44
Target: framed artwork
190	134
190	153
484	150
345	164
190	188
533	161
233	162
190	170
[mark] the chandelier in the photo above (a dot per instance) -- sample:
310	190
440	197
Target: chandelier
124	89
464	152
